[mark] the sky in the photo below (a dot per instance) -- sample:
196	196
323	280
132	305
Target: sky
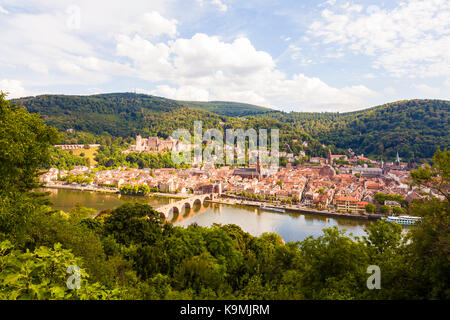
291	55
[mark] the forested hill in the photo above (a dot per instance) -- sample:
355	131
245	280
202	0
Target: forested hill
127	114
414	128
232	109
124	113
119	114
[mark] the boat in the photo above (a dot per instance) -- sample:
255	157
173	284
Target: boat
403	220
263	207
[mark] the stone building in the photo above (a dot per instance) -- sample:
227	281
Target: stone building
155	144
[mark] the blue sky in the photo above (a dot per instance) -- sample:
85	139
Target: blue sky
291	55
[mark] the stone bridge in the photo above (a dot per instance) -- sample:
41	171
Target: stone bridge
179	206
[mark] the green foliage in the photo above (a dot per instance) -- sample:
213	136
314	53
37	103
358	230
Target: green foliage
79	179
430	250
382	197
24	146
370	208
385	209
134	223
111	156
230	109
102	118
398	211
41	274
135	190
62	159
414	128
133	253
437	176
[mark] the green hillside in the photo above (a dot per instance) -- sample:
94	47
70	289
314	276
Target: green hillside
414	128
129	114
118	114
231	109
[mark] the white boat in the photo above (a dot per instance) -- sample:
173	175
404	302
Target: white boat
263	207
403	220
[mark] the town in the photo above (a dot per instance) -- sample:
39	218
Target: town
338	183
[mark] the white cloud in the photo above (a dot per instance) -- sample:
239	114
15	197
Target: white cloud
151	61
201	67
3	10
390	91
204	55
369	76
430	92
413	39
218	3
447	83
68	67
38	67
152	24
13	88
207	68
41	40
182	93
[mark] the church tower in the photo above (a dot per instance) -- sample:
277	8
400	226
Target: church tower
138	142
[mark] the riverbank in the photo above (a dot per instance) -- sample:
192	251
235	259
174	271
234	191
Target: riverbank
290	226
79	187
295	208
228	200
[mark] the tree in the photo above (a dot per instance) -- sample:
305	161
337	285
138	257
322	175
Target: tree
385	209
25	143
398	210
134	223
437	176
24	146
42	274
430	239
370	208
333	266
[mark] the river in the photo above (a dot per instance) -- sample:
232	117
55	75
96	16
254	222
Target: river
290	226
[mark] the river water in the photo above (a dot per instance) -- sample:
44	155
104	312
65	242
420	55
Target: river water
290	226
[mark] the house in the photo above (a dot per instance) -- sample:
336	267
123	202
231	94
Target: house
248	173
368	172
392	203
346	204
316	160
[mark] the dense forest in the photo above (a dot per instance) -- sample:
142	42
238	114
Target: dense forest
231	109
101	118
414	128
132	253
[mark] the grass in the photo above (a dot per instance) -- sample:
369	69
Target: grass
88	153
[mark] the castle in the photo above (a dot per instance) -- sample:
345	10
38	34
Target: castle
155	144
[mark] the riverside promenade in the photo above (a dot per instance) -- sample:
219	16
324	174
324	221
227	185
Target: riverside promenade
81	187
229	200
295	208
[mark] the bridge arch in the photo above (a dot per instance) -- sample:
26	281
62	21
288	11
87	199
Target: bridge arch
179	206
174	210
